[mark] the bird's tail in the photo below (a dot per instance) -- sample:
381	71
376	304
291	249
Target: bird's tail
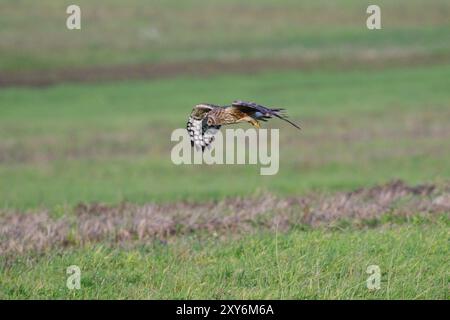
281	114
263	113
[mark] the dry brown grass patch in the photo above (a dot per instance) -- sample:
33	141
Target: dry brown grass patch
130	223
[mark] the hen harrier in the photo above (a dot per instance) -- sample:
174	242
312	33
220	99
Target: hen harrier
206	119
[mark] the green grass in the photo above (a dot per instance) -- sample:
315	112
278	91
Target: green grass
33	35
314	264
111	142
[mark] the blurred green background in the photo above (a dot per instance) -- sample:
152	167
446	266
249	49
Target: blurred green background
33	33
374	104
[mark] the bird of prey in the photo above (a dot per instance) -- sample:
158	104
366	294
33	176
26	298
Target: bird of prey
206	119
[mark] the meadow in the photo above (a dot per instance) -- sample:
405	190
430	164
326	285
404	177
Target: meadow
33	34
86	177
297	265
111	142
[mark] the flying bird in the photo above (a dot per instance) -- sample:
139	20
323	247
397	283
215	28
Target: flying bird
206	119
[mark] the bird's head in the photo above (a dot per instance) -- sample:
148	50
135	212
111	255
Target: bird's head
210	121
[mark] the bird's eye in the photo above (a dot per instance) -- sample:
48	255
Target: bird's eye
209	122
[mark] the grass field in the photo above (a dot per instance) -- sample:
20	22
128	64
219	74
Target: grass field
111	142
86	177
299	265
165	30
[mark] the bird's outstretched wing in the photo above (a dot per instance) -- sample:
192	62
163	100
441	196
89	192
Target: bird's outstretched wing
200	133
259	112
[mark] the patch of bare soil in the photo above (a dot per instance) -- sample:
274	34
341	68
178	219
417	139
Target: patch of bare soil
129	223
210	67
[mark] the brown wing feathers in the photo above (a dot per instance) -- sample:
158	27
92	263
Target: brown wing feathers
259	112
202	134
